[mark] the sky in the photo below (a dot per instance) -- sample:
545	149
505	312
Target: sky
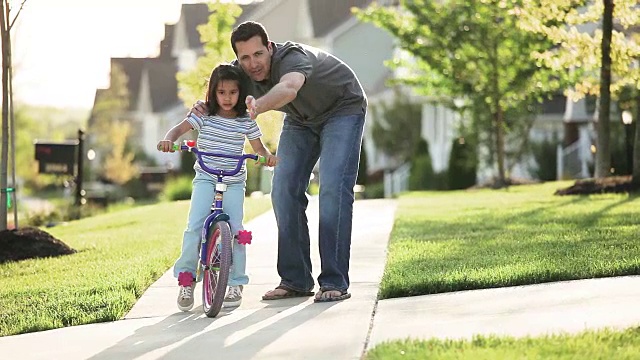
62	48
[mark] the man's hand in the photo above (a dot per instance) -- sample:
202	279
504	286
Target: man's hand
251	107
272	160
199	109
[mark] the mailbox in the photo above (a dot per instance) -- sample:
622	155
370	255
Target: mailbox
57	157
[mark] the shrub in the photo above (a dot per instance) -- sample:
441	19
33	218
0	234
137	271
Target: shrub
421	176
374	190
463	164
545	154
178	188
361	179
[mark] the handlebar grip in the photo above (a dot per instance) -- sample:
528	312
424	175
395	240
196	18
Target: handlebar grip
261	159
175	147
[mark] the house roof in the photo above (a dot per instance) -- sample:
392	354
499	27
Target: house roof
162	70
246	11
92	116
132	68
198	14
162	82
194	15
166	45
328	14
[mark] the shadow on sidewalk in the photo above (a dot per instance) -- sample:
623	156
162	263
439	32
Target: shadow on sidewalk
187	335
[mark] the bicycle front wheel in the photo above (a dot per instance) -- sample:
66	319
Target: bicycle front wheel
216	273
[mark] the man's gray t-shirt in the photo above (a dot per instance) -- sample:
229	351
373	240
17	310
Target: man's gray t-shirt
331	88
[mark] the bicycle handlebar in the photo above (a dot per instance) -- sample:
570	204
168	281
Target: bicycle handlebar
190	145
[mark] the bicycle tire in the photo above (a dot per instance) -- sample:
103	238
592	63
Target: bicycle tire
216	273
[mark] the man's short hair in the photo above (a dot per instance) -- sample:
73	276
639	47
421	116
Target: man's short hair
246	31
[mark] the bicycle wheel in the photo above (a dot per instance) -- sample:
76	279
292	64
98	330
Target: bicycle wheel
216	273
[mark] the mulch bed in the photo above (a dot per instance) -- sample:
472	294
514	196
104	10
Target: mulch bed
29	243
612	184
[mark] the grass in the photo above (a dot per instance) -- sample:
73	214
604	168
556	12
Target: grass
452	241
603	344
119	255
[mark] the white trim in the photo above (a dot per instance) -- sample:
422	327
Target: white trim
340	30
144	104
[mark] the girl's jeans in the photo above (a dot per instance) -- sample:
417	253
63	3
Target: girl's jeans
201	199
337	144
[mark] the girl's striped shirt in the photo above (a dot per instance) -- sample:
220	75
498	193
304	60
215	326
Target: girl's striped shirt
221	135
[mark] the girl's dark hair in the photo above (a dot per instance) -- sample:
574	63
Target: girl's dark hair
231	73
246	31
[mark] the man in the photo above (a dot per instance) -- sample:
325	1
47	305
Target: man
324	106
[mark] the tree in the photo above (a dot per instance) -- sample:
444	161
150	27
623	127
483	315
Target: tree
6	24
472	51
118	165
215	35
397	128
600	61
111	104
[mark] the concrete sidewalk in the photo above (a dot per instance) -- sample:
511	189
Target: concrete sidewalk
561	307
258	329
301	329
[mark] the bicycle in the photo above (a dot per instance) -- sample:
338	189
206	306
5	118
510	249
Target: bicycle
216	244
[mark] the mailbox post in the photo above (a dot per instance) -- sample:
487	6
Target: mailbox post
63	158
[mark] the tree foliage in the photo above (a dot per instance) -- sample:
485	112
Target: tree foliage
215	35
111	104
572	26
118	165
469	50
599	58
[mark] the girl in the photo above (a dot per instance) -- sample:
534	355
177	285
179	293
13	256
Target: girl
222	130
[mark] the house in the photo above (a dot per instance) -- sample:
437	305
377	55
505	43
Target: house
154	105
326	24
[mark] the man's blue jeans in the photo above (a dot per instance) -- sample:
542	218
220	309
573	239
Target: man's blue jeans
337	144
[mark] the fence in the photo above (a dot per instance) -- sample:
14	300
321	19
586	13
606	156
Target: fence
396	181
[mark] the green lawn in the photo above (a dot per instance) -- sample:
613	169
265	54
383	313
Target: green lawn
450	241
593	345
119	255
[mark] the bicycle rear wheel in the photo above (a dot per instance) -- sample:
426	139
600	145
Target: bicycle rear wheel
216	273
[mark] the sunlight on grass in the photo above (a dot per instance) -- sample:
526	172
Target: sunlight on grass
603	344
451	241
119	255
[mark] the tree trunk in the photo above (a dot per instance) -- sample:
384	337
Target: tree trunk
12	125
636	144
498	120
603	152
4	34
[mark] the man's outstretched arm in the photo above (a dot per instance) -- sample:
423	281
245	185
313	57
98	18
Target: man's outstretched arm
281	94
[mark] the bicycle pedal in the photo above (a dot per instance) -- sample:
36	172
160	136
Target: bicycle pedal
244	237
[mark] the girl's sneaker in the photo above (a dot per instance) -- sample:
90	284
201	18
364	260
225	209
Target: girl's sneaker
185	295
234	297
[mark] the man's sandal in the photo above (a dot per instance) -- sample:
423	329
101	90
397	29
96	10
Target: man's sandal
344	295
290	293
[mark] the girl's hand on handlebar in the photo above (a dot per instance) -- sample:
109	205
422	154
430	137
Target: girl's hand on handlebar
165	146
